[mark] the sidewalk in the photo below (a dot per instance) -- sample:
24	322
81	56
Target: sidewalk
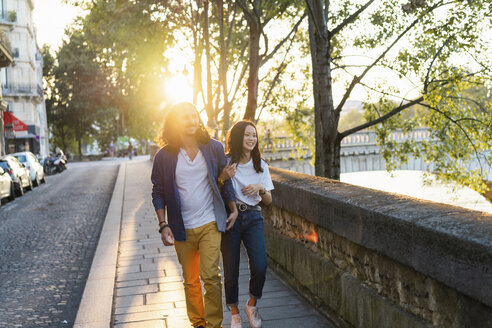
148	290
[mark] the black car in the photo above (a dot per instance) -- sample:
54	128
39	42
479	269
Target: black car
18	173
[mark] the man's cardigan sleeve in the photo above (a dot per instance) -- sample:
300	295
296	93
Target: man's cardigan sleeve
227	190
158	181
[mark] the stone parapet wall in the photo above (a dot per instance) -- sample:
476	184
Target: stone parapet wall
374	259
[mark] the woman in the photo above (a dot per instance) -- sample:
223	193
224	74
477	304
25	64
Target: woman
252	184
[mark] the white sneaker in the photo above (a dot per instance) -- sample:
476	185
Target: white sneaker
236	321
253	316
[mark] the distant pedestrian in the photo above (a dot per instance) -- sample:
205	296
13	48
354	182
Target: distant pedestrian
268	138
142	143
130	149
111	149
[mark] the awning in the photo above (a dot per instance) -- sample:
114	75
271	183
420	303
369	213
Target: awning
19	127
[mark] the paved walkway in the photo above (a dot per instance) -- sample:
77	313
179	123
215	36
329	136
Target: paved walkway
148	285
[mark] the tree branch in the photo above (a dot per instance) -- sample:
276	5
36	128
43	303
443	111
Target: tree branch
380	119
281	43
350	19
241	77
247	14
462	130
313	17
426	82
274	81
243	50
357	79
231	27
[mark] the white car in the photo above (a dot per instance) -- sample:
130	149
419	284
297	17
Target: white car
32	164
6	185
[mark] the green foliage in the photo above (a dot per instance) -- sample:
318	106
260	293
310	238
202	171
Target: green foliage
106	79
130	39
351	119
61	135
294	107
81	87
458	116
431	50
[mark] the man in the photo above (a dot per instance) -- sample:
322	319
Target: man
185	181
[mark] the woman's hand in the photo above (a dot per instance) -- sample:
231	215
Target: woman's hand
231	219
252	189
167	236
228	172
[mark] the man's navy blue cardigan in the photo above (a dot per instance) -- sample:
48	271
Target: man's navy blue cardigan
165	193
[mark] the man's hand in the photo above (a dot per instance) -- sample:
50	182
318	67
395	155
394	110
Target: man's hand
231	220
228	172
167	236
252	189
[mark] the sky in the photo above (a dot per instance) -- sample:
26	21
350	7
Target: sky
50	18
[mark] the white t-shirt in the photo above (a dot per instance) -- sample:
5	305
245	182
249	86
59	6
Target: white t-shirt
246	175
195	191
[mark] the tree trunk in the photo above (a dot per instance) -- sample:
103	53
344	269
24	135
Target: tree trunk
322	82
254	66
318	155
210	101
223	67
197	63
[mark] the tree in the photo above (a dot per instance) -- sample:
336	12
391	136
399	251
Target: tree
418	41
81	87
258	14
130	39
58	124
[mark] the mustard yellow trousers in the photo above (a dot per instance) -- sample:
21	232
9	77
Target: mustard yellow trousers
199	257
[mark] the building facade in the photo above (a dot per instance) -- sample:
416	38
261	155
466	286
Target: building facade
22	85
5	60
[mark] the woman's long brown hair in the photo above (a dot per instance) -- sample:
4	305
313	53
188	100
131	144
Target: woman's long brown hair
234	144
169	134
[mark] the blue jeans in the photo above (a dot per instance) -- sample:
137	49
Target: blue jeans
248	228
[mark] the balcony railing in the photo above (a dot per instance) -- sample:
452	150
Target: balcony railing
40	90
20	89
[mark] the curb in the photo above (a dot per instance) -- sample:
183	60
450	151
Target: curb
97	301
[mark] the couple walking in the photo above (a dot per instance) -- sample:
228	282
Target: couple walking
212	203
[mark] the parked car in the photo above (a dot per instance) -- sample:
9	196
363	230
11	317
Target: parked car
32	164
7	188
18	173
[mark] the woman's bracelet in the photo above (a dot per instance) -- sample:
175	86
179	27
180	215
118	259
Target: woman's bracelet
162	228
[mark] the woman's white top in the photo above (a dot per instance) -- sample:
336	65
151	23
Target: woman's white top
195	191
246	175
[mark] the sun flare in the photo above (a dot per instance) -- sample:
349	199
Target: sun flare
178	88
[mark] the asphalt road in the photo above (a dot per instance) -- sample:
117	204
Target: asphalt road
47	241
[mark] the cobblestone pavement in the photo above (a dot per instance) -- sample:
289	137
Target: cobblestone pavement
149	290
47	242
